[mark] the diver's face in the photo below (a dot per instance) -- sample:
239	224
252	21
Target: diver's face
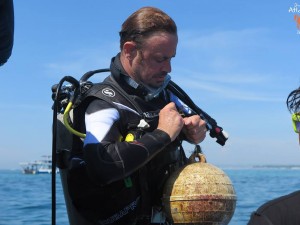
153	61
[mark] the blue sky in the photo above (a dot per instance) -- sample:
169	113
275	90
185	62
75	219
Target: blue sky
238	60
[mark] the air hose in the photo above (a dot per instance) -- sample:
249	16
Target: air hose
54	134
66	121
215	131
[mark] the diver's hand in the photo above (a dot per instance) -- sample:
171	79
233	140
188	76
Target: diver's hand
170	121
194	129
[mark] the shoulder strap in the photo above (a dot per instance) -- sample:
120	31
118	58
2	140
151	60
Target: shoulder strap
109	90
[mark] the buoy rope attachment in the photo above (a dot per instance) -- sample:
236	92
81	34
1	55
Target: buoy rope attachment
197	153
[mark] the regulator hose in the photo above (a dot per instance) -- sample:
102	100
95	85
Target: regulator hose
215	131
66	122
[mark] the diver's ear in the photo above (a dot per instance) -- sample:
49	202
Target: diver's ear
129	50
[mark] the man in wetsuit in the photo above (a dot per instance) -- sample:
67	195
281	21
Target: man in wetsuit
284	210
134	128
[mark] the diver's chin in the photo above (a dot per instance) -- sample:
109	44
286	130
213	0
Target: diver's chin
156	85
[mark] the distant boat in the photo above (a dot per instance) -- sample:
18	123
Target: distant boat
43	166
29	167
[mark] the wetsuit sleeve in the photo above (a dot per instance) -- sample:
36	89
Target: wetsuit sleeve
107	158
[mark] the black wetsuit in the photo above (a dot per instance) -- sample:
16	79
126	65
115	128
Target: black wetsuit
114	181
284	210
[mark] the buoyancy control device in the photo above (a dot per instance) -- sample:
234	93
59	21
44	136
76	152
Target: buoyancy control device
67	95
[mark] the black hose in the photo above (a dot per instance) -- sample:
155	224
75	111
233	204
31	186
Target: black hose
87	75
53	168
215	131
54	134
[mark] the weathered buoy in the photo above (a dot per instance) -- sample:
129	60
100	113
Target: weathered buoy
199	194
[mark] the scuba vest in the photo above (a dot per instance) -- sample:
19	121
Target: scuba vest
121	201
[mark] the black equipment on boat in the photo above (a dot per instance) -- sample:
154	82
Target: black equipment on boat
6	30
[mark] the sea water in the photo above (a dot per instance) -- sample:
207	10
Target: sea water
26	199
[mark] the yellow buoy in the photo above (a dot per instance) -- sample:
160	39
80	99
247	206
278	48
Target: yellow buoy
199	194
